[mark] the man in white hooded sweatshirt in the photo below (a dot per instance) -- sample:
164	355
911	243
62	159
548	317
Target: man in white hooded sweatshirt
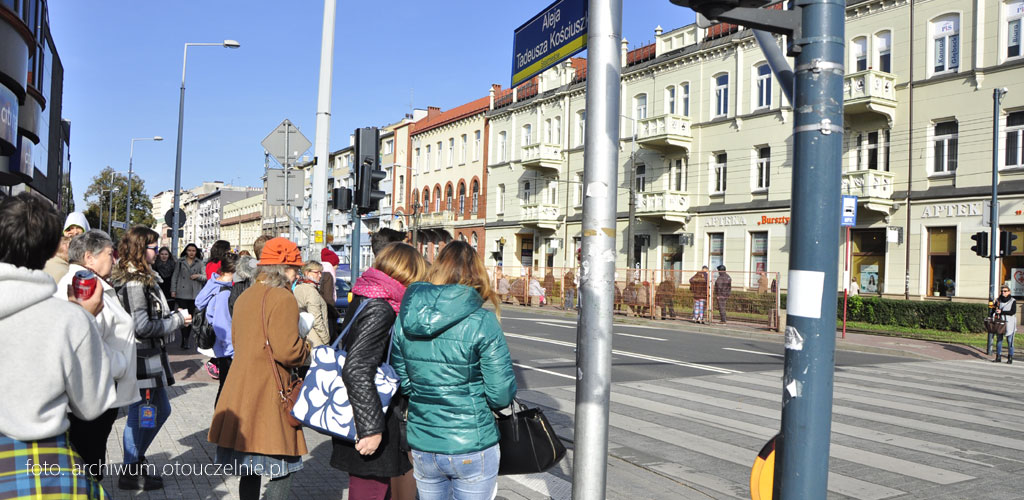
54	359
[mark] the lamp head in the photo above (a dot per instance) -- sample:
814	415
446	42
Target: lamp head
158	138
232	44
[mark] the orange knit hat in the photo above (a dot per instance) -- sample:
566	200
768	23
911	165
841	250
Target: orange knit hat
280	251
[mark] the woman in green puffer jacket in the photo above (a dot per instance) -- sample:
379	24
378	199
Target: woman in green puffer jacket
454	365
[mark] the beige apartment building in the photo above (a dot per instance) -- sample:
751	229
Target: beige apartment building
242	222
711	162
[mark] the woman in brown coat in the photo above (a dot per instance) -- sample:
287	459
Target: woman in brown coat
249	426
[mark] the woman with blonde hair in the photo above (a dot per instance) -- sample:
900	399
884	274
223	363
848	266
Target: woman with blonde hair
250	427
377	455
454	365
307	294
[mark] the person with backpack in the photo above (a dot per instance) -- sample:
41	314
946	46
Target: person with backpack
213	308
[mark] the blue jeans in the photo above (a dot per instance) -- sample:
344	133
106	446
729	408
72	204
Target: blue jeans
470	476
1009	344
137	439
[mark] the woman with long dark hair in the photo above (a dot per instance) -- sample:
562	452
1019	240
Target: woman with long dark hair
217	251
187	281
138	288
164	266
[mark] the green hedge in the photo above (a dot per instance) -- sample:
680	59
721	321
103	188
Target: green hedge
960	317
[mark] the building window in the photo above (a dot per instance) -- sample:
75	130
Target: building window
883	51
758	256
462	198
764	86
671	258
581	126
641	179
716	249
718	174
429	157
1014	13
502	147
868	254
763	168
451	152
1014	156
426	199
678	175
946	43
525	193
547	131
475	241
942	261
684	98
389	146
552	192
578	197
401	188
1016	259
556	132
670	99
437	199
437	166
885	154
476	145
721	96
640	107
945	144
448	198
527	134
476	196
416	159
462	152
499	199
859	53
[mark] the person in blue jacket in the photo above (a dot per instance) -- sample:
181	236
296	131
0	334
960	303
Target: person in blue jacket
215	297
451	357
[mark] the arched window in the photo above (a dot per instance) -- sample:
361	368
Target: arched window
476	196
641	178
415	195
859	53
763	86
462	198
883	51
526	192
448	198
437	198
527	134
426	199
670	99
462	237
475	241
720	98
640	107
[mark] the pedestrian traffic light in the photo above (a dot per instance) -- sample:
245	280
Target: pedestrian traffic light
980	244
367	194
341	199
1006	247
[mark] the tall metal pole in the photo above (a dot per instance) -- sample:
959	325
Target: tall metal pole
630	231
128	204
993	258
802	463
353	260
597	274
287	175
110	216
318	208
177	159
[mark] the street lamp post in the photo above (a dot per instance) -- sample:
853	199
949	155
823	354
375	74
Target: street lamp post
131	152
231	44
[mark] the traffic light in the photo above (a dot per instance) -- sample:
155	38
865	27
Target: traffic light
341	199
1006	247
367	169
980	244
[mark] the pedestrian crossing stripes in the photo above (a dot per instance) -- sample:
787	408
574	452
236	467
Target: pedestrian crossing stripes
935	430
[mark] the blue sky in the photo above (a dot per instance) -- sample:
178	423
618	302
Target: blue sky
122	72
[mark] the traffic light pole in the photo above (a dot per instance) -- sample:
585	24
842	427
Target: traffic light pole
353	259
318	207
993	285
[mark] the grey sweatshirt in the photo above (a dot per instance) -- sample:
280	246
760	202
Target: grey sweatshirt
54	358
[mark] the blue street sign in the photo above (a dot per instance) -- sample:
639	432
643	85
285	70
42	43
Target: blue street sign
849	216
558	32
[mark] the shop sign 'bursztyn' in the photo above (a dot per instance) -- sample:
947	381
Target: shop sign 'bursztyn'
558	32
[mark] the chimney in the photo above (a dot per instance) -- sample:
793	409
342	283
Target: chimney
625	52
433	111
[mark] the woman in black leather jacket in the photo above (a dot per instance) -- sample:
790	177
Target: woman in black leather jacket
376	456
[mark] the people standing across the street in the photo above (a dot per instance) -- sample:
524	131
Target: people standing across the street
250	427
723	288
138	288
94	251
503	287
665	295
217	251
451	357
55	363
854	287
699	288
309	299
214	298
188	279
569	302
536	292
74	225
164	266
377	456
1006	306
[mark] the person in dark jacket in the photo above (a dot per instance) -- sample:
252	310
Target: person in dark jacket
187	281
1006	306
699	288
164	266
451	357
376	456
723	288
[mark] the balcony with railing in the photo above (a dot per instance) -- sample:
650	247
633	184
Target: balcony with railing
870	92
444	219
666	205
664	132
542	156
540	215
873	188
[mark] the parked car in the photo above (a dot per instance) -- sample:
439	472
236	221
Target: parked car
343	287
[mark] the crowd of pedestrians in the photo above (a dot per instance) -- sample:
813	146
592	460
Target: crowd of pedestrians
107	355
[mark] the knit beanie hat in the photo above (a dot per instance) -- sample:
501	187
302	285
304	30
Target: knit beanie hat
328	255
280	251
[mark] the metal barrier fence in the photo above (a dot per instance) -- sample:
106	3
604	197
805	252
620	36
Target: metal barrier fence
652	293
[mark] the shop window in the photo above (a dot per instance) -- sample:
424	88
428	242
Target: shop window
672	257
868	259
526	252
758	255
1012	266
1014	156
942	261
716	249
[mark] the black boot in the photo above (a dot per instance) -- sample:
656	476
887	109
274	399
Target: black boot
1009	360
999	359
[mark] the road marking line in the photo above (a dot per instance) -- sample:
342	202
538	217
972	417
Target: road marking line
554	325
754	352
667	361
641	336
549	372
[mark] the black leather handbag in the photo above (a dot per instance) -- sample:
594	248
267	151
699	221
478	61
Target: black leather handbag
527	441
995	324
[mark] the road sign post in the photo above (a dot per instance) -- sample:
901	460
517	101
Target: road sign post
284	143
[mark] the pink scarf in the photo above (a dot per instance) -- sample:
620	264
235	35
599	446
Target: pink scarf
374	284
